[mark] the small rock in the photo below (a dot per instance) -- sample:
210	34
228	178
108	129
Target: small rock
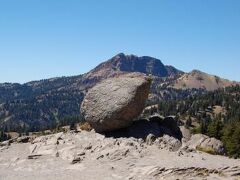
81	154
34	156
100	157
168	142
57	154
24	139
150	139
5	143
88	147
76	160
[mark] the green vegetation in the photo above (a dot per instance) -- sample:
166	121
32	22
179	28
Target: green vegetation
199	114
231	139
24	109
3	136
71	121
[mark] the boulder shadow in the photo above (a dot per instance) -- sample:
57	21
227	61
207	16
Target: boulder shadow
154	125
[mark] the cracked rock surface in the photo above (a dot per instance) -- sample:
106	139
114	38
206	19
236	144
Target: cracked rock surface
89	155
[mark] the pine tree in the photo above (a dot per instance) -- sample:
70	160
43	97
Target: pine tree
231	139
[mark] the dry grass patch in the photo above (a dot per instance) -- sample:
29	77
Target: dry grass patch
206	150
85	126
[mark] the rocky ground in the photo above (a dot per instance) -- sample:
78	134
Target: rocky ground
89	155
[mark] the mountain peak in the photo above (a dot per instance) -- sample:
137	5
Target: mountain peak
197	79
131	57
196	71
119	55
122	63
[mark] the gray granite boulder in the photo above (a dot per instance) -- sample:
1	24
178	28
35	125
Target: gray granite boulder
114	103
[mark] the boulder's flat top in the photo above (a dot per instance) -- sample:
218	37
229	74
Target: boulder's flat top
88	155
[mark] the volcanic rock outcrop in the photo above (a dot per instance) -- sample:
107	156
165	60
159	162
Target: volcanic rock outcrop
116	102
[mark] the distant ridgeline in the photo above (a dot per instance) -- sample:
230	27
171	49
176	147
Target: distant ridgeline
38	105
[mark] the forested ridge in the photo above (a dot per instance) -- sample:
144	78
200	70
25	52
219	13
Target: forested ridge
215	113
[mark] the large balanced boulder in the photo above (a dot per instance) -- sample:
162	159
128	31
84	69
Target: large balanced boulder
114	103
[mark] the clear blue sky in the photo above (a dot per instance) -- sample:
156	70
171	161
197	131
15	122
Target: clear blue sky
48	38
